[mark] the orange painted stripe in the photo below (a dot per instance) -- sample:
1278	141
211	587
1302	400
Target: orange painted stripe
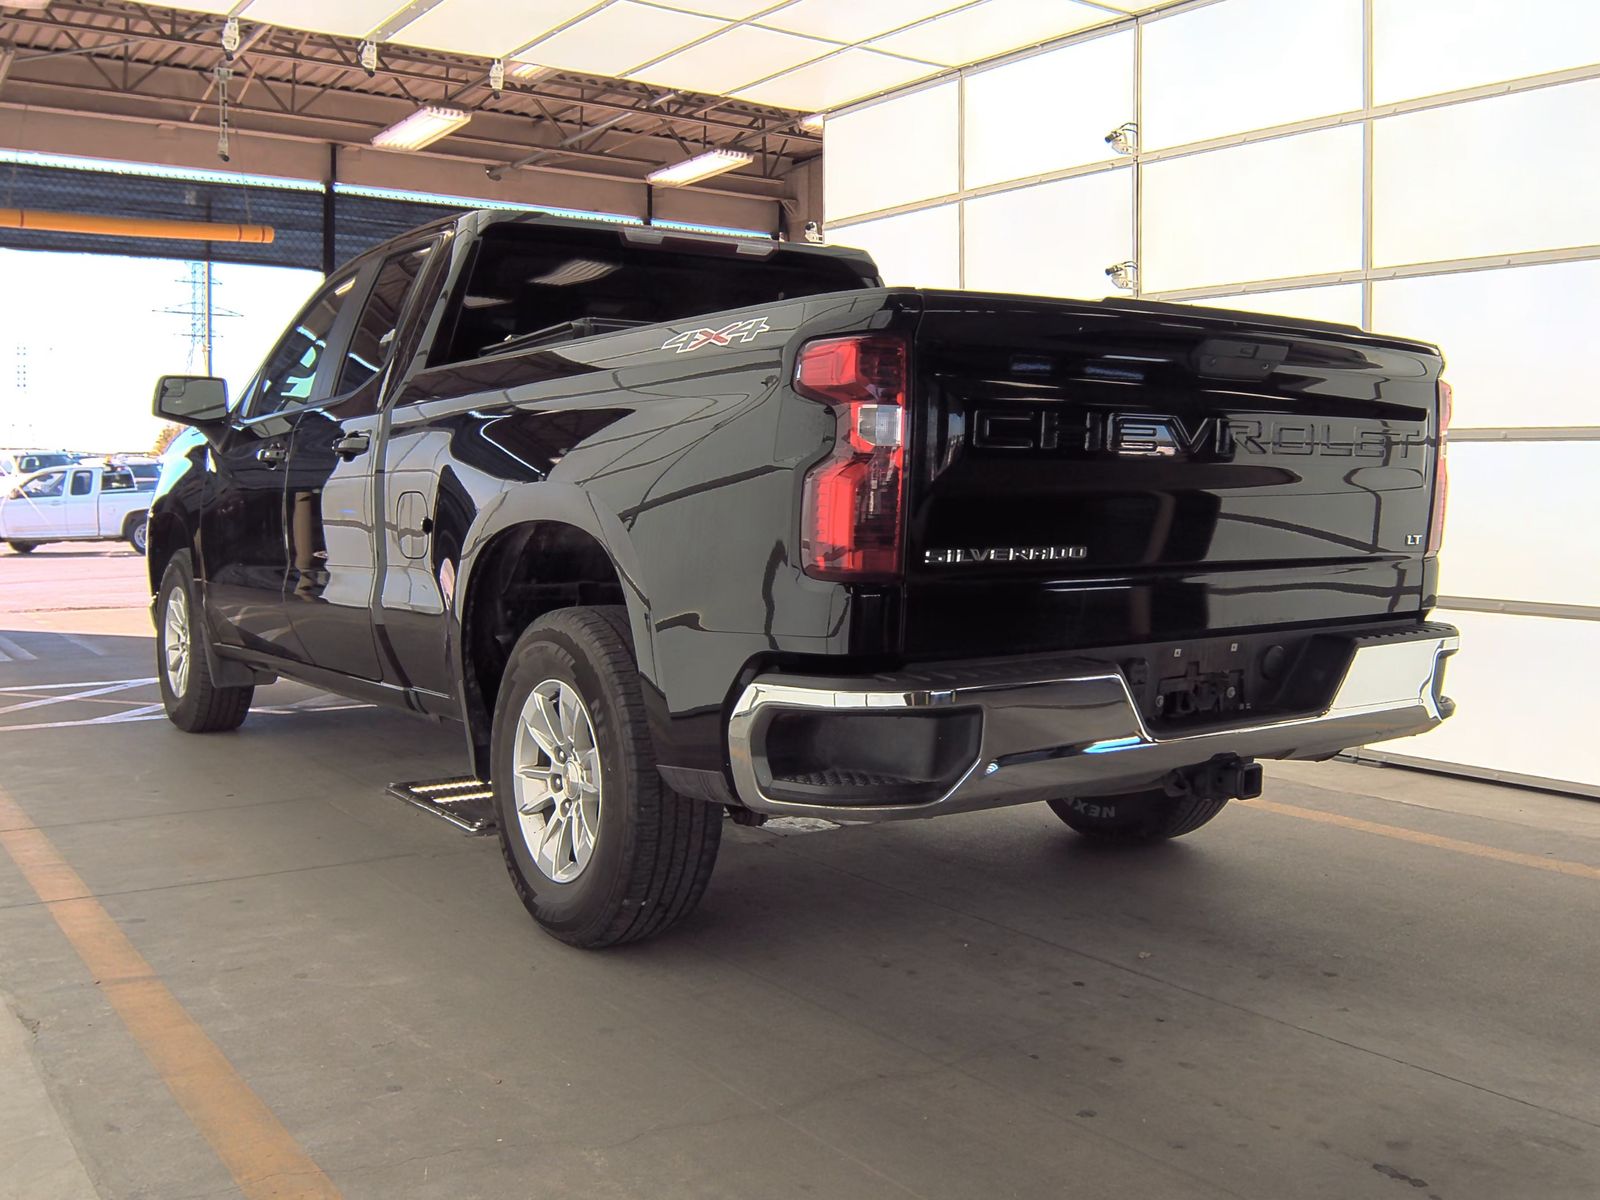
263	1157
1559	866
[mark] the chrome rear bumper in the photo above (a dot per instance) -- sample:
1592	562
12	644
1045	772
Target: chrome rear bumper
1069	726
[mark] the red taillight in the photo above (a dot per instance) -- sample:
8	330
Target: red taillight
851	517
1441	470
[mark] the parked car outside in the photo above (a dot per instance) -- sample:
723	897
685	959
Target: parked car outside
87	501
14	464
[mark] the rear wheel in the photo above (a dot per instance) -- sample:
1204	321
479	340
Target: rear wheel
193	702
137	534
598	848
23	547
1132	818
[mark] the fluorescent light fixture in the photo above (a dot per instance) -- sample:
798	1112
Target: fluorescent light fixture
812	123
530	72
701	166
422	128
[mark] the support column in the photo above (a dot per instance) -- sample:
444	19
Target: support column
329	244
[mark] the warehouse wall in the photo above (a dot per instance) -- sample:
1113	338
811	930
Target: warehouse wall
1421	167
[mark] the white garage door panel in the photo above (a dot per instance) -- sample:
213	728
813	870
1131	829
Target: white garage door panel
1249	64
892	153
1516	341
1286	207
1516	528
920	249
1053	240
1422	47
1341	303
1525	686
1499	176
1086	91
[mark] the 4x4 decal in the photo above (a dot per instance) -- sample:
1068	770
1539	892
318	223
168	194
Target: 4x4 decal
739	331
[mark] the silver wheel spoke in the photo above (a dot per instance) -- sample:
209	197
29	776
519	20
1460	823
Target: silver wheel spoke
540	718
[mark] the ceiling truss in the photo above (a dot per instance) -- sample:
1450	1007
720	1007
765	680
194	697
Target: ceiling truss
134	62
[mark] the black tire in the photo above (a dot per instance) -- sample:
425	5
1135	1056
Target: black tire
23	547
137	533
200	706
1135	818
654	850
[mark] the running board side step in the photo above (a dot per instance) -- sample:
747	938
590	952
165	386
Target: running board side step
463	802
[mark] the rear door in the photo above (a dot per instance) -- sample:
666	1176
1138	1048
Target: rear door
244	533
1109	473
334	549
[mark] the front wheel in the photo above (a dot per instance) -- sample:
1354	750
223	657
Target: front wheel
23	547
193	702
1133	818
599	850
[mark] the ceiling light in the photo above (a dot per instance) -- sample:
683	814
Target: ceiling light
812	123
701	166
530	72
422	128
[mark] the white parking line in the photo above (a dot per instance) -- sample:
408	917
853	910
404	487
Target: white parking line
14	652
150	712
84	683
124	686
84	645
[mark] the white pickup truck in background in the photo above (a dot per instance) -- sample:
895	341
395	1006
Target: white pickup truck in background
87	501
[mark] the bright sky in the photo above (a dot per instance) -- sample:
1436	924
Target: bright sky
83	338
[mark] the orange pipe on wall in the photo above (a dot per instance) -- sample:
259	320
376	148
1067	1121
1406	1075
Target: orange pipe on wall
136	227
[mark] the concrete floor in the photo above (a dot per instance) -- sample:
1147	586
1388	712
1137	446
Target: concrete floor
1381	984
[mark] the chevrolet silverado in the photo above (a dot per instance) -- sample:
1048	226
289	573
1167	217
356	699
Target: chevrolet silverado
679	525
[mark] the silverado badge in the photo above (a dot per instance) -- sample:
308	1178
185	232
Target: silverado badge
739	331
1001	554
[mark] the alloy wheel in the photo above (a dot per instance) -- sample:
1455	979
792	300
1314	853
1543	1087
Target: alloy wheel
175	645
557	784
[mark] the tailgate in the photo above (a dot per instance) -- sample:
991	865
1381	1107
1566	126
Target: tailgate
1097	473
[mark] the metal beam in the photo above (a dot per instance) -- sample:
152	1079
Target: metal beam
358	132
423	155
387	67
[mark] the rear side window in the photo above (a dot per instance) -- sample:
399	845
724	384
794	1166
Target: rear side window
117	481
380	319
82	483
530	285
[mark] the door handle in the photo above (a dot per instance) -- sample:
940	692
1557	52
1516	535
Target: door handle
272	455
352	444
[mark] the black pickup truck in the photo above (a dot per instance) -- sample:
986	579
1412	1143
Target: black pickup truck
680	525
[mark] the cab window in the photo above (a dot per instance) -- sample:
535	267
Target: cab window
46	486
117	481
289	378
380	319
82	483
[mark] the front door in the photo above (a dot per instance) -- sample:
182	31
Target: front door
244	531
333	519
37	509
82	510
